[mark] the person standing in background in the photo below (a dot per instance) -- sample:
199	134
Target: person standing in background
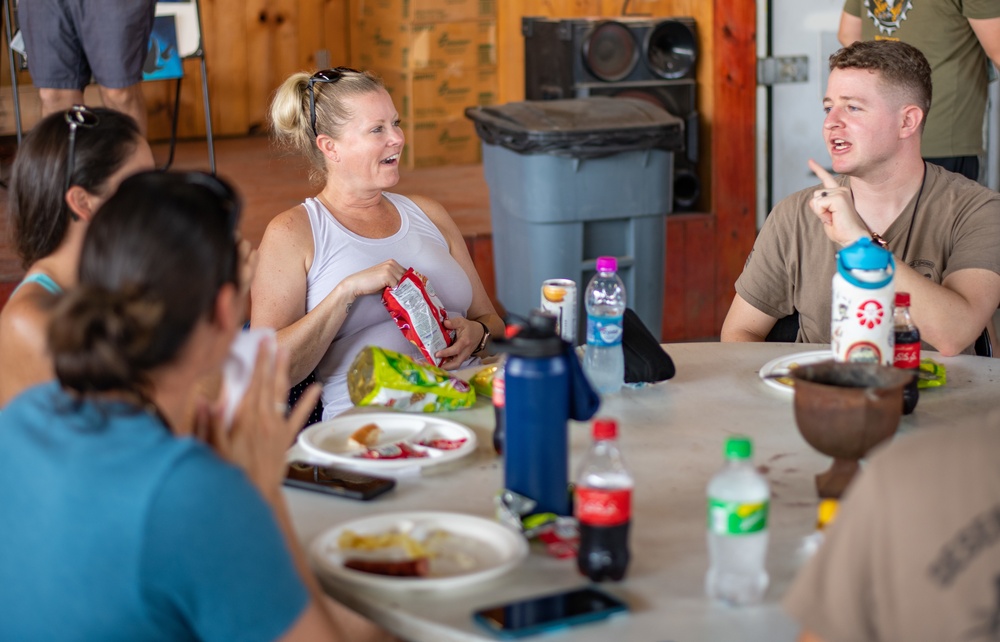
957	37
68	42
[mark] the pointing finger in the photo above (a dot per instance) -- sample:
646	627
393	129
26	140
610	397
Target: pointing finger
824	176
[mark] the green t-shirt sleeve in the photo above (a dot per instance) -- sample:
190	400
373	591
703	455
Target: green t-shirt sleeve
853	7
980	9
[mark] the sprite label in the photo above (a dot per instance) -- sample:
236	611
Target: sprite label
734	518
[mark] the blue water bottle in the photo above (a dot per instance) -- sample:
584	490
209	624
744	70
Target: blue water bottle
545	387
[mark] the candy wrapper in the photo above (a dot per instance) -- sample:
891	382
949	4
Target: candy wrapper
482	381
931	374
380	377
419	314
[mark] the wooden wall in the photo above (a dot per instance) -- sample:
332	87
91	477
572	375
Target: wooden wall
251	45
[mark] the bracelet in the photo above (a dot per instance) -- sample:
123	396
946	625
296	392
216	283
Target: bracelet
485	339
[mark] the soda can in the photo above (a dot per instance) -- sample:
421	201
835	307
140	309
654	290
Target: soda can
559	298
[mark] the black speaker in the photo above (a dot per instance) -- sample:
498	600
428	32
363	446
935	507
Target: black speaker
649	58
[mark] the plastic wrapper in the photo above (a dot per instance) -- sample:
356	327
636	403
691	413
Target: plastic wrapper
380	377
418	312
931	374
482	381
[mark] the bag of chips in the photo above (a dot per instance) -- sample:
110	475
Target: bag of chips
418	312
380	377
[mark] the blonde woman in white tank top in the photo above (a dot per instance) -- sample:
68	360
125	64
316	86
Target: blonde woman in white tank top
324	263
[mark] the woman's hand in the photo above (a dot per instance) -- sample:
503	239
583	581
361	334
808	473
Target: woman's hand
374	279
468	334
260	433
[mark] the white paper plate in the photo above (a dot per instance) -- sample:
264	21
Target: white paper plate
781	366
476	550
326	442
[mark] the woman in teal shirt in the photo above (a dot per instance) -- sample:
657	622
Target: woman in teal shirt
68	165
117	522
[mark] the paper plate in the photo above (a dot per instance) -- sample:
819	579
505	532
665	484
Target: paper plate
326	442
782	365
473	550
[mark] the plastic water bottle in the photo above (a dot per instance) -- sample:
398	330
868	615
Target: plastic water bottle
738	501
604	507
604	361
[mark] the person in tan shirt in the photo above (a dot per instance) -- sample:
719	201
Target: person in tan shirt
943	229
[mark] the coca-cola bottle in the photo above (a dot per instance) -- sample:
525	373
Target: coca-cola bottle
499	408
907	351
604	506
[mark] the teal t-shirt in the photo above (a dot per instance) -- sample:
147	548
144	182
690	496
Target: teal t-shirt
113	529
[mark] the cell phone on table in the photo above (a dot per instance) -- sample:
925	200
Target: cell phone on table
337	481
547	612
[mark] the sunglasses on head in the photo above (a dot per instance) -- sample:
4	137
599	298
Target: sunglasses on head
76	116
328	76
229	200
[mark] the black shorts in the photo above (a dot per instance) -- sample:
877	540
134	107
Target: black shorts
68	42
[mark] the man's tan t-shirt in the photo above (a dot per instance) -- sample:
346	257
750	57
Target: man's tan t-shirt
791	266
914	552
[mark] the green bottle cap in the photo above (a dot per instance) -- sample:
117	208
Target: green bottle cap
739	447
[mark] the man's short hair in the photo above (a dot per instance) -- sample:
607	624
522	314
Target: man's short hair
900	65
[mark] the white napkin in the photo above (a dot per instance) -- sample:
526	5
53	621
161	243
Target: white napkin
238	368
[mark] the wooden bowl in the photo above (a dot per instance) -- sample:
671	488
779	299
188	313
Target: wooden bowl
844	410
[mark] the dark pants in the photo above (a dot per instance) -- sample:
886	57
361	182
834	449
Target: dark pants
967	166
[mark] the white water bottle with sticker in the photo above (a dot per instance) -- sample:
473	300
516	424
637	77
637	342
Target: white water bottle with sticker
861	325
604	360
738	503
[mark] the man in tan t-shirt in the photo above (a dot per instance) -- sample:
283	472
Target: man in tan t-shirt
943	229
914	553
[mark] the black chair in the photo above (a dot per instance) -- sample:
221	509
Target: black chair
786	330
296	392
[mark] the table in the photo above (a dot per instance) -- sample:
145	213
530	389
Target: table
672	436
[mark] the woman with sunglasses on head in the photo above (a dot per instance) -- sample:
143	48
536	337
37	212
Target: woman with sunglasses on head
324	263
68	165
119	523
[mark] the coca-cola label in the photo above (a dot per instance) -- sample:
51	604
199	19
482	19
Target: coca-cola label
907	355
599	507
499	390
734	518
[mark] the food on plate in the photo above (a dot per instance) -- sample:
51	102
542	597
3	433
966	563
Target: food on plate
393	553
366	436
418	312
379	377
440	443
398	450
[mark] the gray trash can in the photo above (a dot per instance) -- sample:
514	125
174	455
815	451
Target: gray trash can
571	180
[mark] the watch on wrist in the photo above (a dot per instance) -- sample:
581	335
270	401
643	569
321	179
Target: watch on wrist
485	340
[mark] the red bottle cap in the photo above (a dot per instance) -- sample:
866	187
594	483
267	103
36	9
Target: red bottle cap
902	299
605	429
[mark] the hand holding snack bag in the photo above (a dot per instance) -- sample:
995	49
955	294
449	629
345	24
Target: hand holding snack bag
418	312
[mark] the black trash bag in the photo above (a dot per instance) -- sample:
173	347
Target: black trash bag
645	360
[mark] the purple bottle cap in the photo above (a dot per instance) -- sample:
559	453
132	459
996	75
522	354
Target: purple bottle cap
607	264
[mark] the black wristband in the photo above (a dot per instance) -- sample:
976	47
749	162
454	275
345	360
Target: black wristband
485	339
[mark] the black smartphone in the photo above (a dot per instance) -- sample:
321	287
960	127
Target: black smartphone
337	481
547	612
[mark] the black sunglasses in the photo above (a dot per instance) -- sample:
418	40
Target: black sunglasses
326	76
76	116
229	200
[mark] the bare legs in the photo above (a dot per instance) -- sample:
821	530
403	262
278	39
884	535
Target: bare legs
128	100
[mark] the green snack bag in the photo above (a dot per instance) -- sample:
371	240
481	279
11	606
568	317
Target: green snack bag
931	374
380	377
482	381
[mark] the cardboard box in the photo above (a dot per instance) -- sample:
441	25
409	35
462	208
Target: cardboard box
447	141
382	45
439	93
423	10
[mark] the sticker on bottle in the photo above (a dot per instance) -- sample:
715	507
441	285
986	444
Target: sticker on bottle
734	518
604	331
603	507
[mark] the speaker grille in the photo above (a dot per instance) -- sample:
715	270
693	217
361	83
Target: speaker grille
610	51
